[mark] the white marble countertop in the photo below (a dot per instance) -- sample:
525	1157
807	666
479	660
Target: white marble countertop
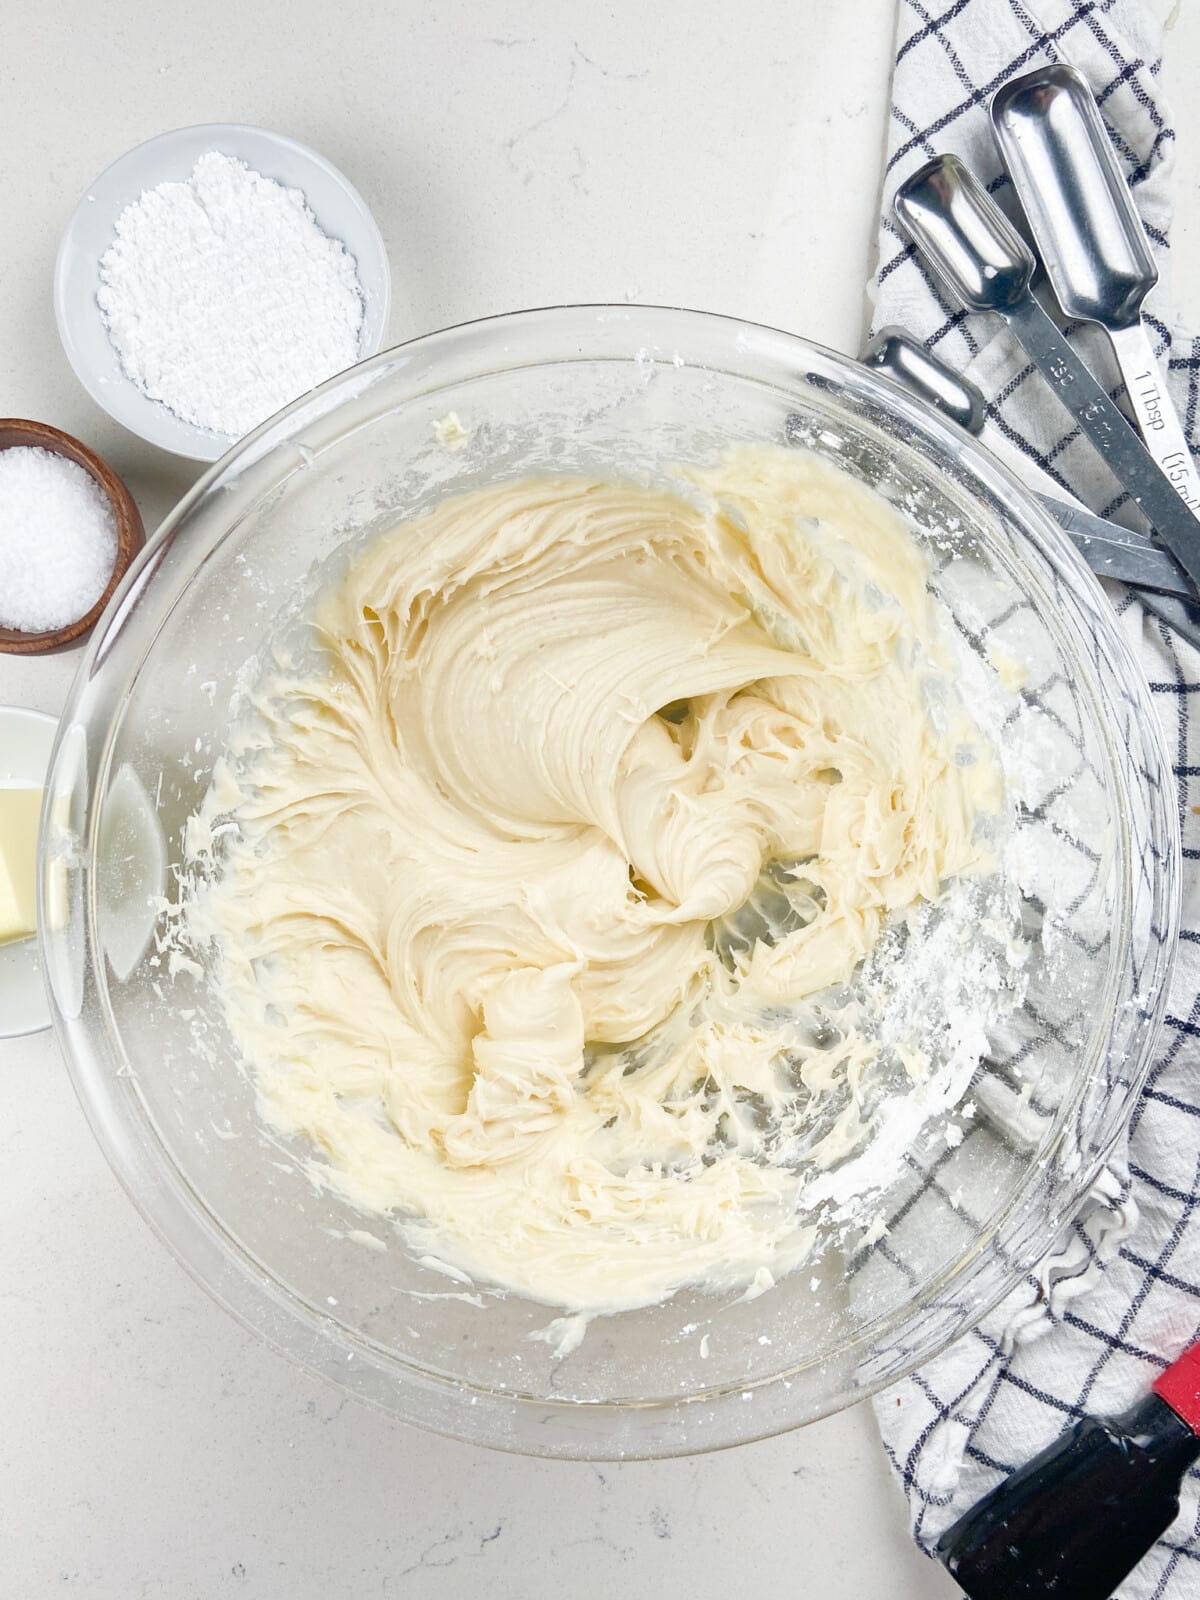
716	155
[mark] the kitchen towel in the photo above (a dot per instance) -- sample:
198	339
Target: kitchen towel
1119	1296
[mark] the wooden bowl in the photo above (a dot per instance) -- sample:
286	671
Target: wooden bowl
131	535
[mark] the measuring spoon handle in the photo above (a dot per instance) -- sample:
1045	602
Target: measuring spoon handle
1156	415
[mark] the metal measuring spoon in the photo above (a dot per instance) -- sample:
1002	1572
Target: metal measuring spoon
987	266
1110	550
1091	240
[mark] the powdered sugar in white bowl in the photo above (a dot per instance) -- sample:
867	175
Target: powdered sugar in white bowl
225	299
307	201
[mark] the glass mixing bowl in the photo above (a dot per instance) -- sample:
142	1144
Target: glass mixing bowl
608	390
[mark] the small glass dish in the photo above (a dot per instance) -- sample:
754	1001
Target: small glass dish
26	740
627	392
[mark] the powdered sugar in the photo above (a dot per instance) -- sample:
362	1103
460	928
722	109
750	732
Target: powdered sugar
58	540
941	977
225	300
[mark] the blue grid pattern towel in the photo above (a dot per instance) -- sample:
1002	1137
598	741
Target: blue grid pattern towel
1120	1295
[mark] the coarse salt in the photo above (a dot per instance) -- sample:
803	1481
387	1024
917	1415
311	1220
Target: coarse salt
225	300
58	540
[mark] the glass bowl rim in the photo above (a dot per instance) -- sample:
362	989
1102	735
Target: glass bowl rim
192	1233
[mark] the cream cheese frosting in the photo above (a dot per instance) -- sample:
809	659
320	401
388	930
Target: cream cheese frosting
549	883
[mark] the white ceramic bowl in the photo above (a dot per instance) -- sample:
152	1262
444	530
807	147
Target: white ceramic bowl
337	205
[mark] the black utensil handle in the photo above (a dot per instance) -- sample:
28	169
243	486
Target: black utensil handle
1078	1518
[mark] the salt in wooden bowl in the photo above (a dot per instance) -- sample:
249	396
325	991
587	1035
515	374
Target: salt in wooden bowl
131	535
